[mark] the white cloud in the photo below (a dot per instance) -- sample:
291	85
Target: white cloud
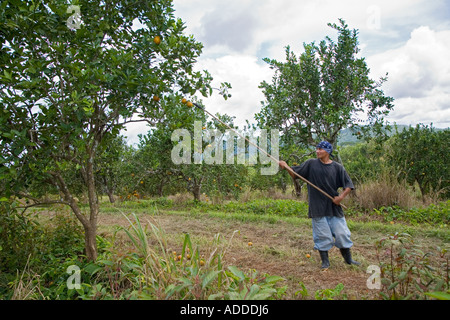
245	74
419	77
407	38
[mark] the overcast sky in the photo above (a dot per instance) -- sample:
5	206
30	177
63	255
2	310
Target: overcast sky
409	39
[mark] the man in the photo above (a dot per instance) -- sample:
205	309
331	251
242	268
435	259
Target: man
328	221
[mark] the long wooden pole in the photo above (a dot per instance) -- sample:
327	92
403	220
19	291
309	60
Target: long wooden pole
269	155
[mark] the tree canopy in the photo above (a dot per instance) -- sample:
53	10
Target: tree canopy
70	85
327	88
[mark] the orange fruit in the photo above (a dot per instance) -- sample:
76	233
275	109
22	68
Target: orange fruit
157	40
184	101
189	104
155	98
308	255
250	244
202	262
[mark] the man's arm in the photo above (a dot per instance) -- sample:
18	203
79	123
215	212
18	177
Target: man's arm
284	165
338	199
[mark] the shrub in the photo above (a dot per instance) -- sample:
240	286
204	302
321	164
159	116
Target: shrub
19	237
407	272
435	214
383	192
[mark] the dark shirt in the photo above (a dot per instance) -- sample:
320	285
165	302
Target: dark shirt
329	178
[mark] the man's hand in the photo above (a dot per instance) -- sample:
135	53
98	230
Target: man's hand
338	199
283	165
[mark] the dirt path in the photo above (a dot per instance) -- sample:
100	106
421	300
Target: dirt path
279	248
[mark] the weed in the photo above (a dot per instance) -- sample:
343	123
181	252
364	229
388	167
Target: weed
330	294
407	271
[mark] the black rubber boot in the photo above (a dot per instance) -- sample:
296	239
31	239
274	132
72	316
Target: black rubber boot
325	261
348	257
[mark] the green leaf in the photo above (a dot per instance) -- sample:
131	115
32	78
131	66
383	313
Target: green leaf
237	273
92	268
209	277
393	285
7	74
439	295
107	262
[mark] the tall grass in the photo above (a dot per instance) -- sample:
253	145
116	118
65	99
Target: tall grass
383	192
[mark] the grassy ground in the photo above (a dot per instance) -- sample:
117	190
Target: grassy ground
271	244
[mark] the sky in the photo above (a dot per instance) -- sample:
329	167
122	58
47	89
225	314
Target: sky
408	39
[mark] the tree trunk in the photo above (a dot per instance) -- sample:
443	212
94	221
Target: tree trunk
196	188
111	197
91	228
109	190
161	188
298	188
89	225
196	191
90	241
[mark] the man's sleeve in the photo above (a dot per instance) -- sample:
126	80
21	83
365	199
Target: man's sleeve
346	181
302	169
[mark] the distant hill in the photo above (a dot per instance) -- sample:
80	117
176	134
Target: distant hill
347	138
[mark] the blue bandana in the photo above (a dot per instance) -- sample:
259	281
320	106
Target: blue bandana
325	146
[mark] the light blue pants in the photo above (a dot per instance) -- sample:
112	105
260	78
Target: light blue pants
329	232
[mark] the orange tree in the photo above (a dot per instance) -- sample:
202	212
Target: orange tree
152	162
326	89
420	155
161	175
73	76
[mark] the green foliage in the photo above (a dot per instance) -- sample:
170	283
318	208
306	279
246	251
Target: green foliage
364	161
434	214
286	208
19	237
330	294
313	96
67	92
28	248
420	155
407	271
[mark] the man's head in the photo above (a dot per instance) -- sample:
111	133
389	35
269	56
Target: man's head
324	146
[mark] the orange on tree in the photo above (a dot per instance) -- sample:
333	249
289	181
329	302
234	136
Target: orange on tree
157	40
184	101
189	104
155	98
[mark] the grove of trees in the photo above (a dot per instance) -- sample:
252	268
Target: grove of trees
66	94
